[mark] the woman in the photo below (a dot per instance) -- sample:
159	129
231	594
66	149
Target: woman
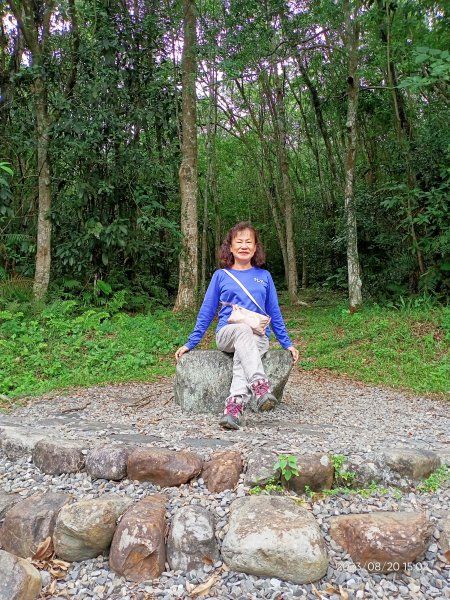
242	255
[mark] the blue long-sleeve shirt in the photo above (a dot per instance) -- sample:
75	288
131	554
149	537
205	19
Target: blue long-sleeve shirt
223	288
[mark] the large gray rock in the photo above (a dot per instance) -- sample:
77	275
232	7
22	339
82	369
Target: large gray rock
107	462
203	378
31	522
270	536
260	467
17	441
191	541
85	529
19	580
7	501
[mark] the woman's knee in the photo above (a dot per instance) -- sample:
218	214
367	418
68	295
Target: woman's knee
243	330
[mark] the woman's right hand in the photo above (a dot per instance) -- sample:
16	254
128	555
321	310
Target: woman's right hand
179	353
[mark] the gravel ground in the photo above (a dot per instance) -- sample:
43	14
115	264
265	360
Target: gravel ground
320	413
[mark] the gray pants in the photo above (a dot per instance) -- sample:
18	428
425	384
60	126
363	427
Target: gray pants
248	349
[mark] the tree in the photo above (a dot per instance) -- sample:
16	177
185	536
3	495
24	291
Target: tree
34	19
188	270
352	44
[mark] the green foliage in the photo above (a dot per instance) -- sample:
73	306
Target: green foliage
434	68
402	347
436	480
65	345
287	466
342	477
272	486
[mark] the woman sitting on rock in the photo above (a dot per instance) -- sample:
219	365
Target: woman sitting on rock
242	257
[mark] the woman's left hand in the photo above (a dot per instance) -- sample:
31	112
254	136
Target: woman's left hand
295	355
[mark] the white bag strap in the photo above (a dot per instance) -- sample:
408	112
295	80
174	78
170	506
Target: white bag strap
245	290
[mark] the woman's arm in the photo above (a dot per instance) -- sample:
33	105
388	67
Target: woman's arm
277	323
205	315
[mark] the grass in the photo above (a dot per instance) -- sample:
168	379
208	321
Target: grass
63	346
405	349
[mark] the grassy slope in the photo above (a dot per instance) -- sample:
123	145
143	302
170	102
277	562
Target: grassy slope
59	348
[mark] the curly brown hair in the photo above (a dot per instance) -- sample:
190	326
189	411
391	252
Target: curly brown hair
226	258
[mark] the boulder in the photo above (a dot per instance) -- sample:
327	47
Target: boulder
365	470
85	529
107	462
191	543
410	463
30	522
163	467
57	456
316	473
203	378
17	442
260	467
137	550
221	472
19	580
400	467
444	540
383	541
7	501
271	536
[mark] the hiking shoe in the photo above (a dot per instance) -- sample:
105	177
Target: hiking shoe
233	410
265	400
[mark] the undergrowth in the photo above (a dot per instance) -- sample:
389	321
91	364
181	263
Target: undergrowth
63	344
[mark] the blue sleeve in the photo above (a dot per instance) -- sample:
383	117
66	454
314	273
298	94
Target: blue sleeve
273	310
206	313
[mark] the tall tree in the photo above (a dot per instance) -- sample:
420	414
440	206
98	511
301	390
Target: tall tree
352	45
188	282
33	19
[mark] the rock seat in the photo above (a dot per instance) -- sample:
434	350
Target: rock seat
203	378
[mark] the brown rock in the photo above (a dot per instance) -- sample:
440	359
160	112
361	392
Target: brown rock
163	467
316	472
221	472
19	580
30	522
57	457
383	541
137	550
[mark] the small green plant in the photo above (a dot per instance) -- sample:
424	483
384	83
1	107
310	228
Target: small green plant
272	486
287	465
341	476
309	492
435	480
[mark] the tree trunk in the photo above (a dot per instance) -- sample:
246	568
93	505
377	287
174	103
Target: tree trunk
402	125
354	279
188	271
286	185
44	225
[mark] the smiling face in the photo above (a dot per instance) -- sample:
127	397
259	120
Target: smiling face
243	247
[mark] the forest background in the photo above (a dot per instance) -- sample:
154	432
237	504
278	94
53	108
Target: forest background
324	123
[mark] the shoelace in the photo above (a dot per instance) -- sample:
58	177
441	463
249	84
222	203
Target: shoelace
233	408
261	387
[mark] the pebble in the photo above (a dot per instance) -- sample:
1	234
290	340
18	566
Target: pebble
349	429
